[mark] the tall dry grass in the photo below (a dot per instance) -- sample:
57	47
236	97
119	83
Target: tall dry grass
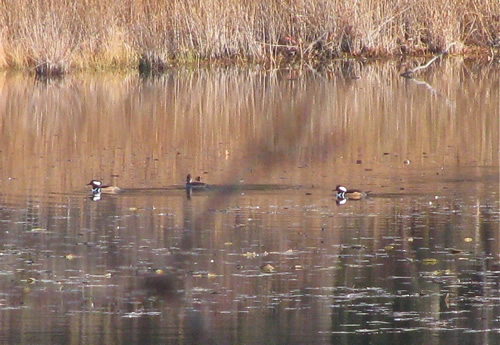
57	35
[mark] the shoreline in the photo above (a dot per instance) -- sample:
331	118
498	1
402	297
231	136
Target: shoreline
411	61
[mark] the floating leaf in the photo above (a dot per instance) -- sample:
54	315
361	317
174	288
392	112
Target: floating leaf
447	300
267	268
70	256
468	239
430	261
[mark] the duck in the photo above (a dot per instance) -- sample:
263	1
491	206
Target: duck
95	196
190	184
98	188
352	194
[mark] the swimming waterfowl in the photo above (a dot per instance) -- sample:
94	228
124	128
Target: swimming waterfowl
98	187
95	196
197	184
352	194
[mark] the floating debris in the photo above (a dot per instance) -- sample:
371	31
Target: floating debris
267	268
429	261
204	275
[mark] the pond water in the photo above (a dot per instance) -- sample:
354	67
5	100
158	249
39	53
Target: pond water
266	255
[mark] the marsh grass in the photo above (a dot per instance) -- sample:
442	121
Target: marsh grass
55	36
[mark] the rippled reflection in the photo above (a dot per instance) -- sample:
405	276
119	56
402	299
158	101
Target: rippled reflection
265	255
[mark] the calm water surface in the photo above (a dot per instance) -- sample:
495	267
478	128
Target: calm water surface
266	255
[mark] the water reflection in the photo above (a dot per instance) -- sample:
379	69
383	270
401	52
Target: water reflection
416	261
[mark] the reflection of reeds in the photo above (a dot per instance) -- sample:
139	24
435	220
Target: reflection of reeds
57	35
216	121
260	126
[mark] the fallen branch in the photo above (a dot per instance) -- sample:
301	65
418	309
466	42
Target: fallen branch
409	73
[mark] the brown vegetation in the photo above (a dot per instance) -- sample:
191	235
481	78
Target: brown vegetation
54	36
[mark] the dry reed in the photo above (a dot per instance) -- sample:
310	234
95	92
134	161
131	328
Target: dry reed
54	36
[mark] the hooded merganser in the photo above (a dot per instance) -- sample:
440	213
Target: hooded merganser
194	184
95	196
353	194
98	187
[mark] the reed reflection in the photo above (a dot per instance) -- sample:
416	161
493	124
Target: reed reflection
261	123
158	260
